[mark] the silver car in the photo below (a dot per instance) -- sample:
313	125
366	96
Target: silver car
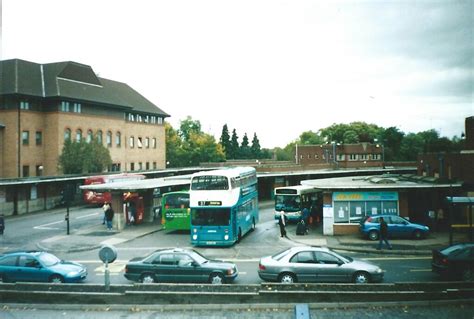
316	264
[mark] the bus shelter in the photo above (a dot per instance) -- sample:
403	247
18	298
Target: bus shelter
147	190
463	205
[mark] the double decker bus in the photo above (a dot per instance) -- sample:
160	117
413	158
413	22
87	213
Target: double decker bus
224	205
98	198
175	211
293	199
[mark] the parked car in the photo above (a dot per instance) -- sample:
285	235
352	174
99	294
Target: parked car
37	266
179	265
316	264
398	227
454	261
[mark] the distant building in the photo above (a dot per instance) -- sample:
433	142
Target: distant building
340	155
42	105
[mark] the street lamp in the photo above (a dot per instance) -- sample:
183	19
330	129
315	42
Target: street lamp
334	153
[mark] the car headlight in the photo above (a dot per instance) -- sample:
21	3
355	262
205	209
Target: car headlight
73	273
379	270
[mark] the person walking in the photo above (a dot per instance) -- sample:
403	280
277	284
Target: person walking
105	207
109	216
383	234
282	224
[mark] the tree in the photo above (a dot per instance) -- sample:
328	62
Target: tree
310	138
82	157
234	145
245	151
255	148
187	127
225	140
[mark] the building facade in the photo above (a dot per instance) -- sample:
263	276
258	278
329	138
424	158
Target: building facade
42	105
340	155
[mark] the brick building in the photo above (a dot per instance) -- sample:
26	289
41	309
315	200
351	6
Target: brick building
340	155
41	105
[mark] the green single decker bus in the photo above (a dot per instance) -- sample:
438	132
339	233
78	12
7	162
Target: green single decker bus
175	212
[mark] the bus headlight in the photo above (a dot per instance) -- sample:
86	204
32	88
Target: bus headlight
226	237
195	237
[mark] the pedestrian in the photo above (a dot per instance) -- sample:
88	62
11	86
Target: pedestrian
282	224
104	208
109	216
383	234
131	212
305	215
2	224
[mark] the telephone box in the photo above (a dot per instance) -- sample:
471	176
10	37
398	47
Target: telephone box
133	208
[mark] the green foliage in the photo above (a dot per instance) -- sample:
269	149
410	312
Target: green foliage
234	146
255	149
244	151
225	139
310	138
82	157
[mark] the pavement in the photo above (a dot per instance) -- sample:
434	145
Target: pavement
96	236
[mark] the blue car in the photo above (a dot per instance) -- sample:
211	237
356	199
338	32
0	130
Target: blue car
36	266
398	227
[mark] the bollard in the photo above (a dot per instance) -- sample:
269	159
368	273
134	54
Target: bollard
302	311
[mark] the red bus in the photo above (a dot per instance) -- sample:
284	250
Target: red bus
91	197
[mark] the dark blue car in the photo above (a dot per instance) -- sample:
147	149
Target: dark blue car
36	266
398	227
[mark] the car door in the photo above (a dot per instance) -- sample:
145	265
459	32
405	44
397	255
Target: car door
164	267
9	268
330	268
186	270
398	227
30	269
304	265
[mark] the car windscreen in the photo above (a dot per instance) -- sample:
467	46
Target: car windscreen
210	216
48	260
200	259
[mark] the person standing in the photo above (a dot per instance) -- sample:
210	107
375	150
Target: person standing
2	224
383	234
109	216
105	207
282	224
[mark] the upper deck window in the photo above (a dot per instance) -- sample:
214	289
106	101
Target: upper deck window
210	182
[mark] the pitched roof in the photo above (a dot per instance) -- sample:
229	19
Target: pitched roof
70	80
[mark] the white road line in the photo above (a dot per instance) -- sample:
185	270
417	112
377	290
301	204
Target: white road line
85	216
397	258
44	226
420	270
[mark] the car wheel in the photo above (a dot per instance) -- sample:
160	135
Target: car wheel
56	279
361	277
287	278
417	234
373	235
468	275
147	278
216	279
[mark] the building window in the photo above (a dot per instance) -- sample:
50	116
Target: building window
316	156
341	157
77	107
99	137
153	143
26	171
132	166
67	134
25	137
24	105
109	139
78	135
89	136
154	165
140	166
363	157
139	118
147	142
131	117
139	142
118	139
153	119
131	142
160	120
352	157
39	137
64	106
147	165
39	170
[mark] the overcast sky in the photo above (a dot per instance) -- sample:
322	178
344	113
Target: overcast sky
277	68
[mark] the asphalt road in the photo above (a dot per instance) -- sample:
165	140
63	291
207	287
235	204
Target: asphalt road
265	240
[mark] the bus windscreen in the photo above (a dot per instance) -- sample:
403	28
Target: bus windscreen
210	217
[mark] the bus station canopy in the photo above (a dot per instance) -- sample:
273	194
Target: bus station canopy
137	185
460	200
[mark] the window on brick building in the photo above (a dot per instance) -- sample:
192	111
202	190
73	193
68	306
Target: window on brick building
109	139
89	136
25	137
67	134
139	142
99	137
25	105
132	166
76	107
64	106
26	171
153	143
131	142
118	139
147	142
39	138
78	135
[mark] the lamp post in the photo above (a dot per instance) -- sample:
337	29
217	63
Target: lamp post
334	153
383	150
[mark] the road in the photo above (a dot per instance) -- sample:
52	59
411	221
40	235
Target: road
265	240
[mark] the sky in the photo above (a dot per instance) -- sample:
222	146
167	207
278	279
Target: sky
270	67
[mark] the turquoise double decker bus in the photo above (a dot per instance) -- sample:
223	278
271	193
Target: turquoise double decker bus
224	205
175	211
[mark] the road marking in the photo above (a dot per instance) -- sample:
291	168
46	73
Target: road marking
397	258
44	226
113	268
420	270
51	239
85	216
